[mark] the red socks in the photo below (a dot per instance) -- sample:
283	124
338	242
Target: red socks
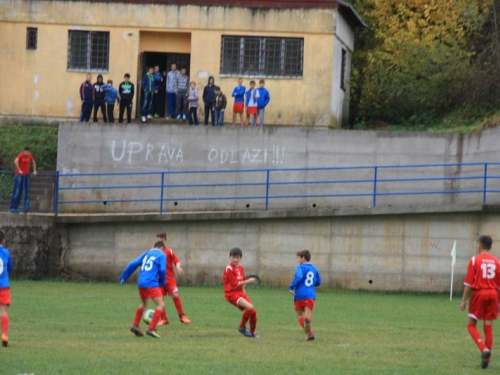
476	337
164	315
253	320
301	322
488	336
156	318
178	305
138	316
244	318
5	324
310	330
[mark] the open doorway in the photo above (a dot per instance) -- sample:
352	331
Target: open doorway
164	61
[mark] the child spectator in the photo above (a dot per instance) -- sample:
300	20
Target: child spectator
87	97
193	97
263	100
181	94
147	95
220	106
126	91
251	103
209	100
110	97
172	89
239	102
158	82
99	98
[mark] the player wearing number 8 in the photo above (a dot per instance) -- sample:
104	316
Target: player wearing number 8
5	267
152	275
483	278
303	288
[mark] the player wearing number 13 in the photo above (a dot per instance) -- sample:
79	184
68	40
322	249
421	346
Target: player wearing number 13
152	275
5	267
306	279
483	278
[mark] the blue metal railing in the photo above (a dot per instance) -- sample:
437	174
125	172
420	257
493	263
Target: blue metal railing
262	181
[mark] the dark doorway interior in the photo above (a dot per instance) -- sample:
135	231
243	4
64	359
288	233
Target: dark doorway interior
163	60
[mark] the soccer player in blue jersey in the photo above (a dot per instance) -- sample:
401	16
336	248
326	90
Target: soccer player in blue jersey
306	279
152	275
5	267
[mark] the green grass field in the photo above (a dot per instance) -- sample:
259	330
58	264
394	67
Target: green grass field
72	328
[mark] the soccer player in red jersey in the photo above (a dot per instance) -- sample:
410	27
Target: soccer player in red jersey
170	288
483	278
234	290
5	268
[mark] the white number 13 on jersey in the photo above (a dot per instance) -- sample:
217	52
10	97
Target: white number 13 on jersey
488	270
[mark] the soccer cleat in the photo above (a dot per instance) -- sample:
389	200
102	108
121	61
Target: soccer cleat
184	319
163	322
184	117
310	337
143	118
255	335
485	356
244	332
153	334
5	341
150	117
136	331
178	117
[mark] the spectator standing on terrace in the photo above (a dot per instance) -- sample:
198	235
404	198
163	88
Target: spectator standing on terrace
193	98
21	179
147	95
181	94
157	96
87	97
251	103
209	100
239	102
110	97
220	106
126	91
172	90
263	100
99	98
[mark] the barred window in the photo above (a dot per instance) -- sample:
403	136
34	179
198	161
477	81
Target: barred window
88	50
343	67
262	56
31	38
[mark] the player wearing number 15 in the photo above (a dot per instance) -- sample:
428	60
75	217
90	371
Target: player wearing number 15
306	279
483	278
152	275
5	267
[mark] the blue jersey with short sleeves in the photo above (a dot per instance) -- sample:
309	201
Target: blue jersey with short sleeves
153	265
5	267
306	279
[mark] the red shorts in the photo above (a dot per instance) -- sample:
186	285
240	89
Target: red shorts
169	289
301	304
233	299
4	296
238	107
483	304
147	293
252	110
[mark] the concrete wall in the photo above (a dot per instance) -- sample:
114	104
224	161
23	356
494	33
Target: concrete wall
376	252
45	87
119	148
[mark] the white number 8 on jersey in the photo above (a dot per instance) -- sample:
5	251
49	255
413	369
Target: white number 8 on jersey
309	279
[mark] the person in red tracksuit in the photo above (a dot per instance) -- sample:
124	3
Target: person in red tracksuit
483	279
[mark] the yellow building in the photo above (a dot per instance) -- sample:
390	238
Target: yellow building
301	48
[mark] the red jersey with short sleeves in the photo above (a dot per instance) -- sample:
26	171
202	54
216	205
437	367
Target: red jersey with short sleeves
24	163
483	272
232	276
171	261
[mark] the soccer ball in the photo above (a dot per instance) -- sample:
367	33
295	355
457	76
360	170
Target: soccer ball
147	316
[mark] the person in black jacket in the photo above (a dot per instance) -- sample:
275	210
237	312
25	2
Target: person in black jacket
99	98
87	98
126	90
209	100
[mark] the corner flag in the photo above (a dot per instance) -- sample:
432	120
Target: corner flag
453	262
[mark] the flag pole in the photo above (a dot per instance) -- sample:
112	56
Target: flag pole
451	287
453	261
